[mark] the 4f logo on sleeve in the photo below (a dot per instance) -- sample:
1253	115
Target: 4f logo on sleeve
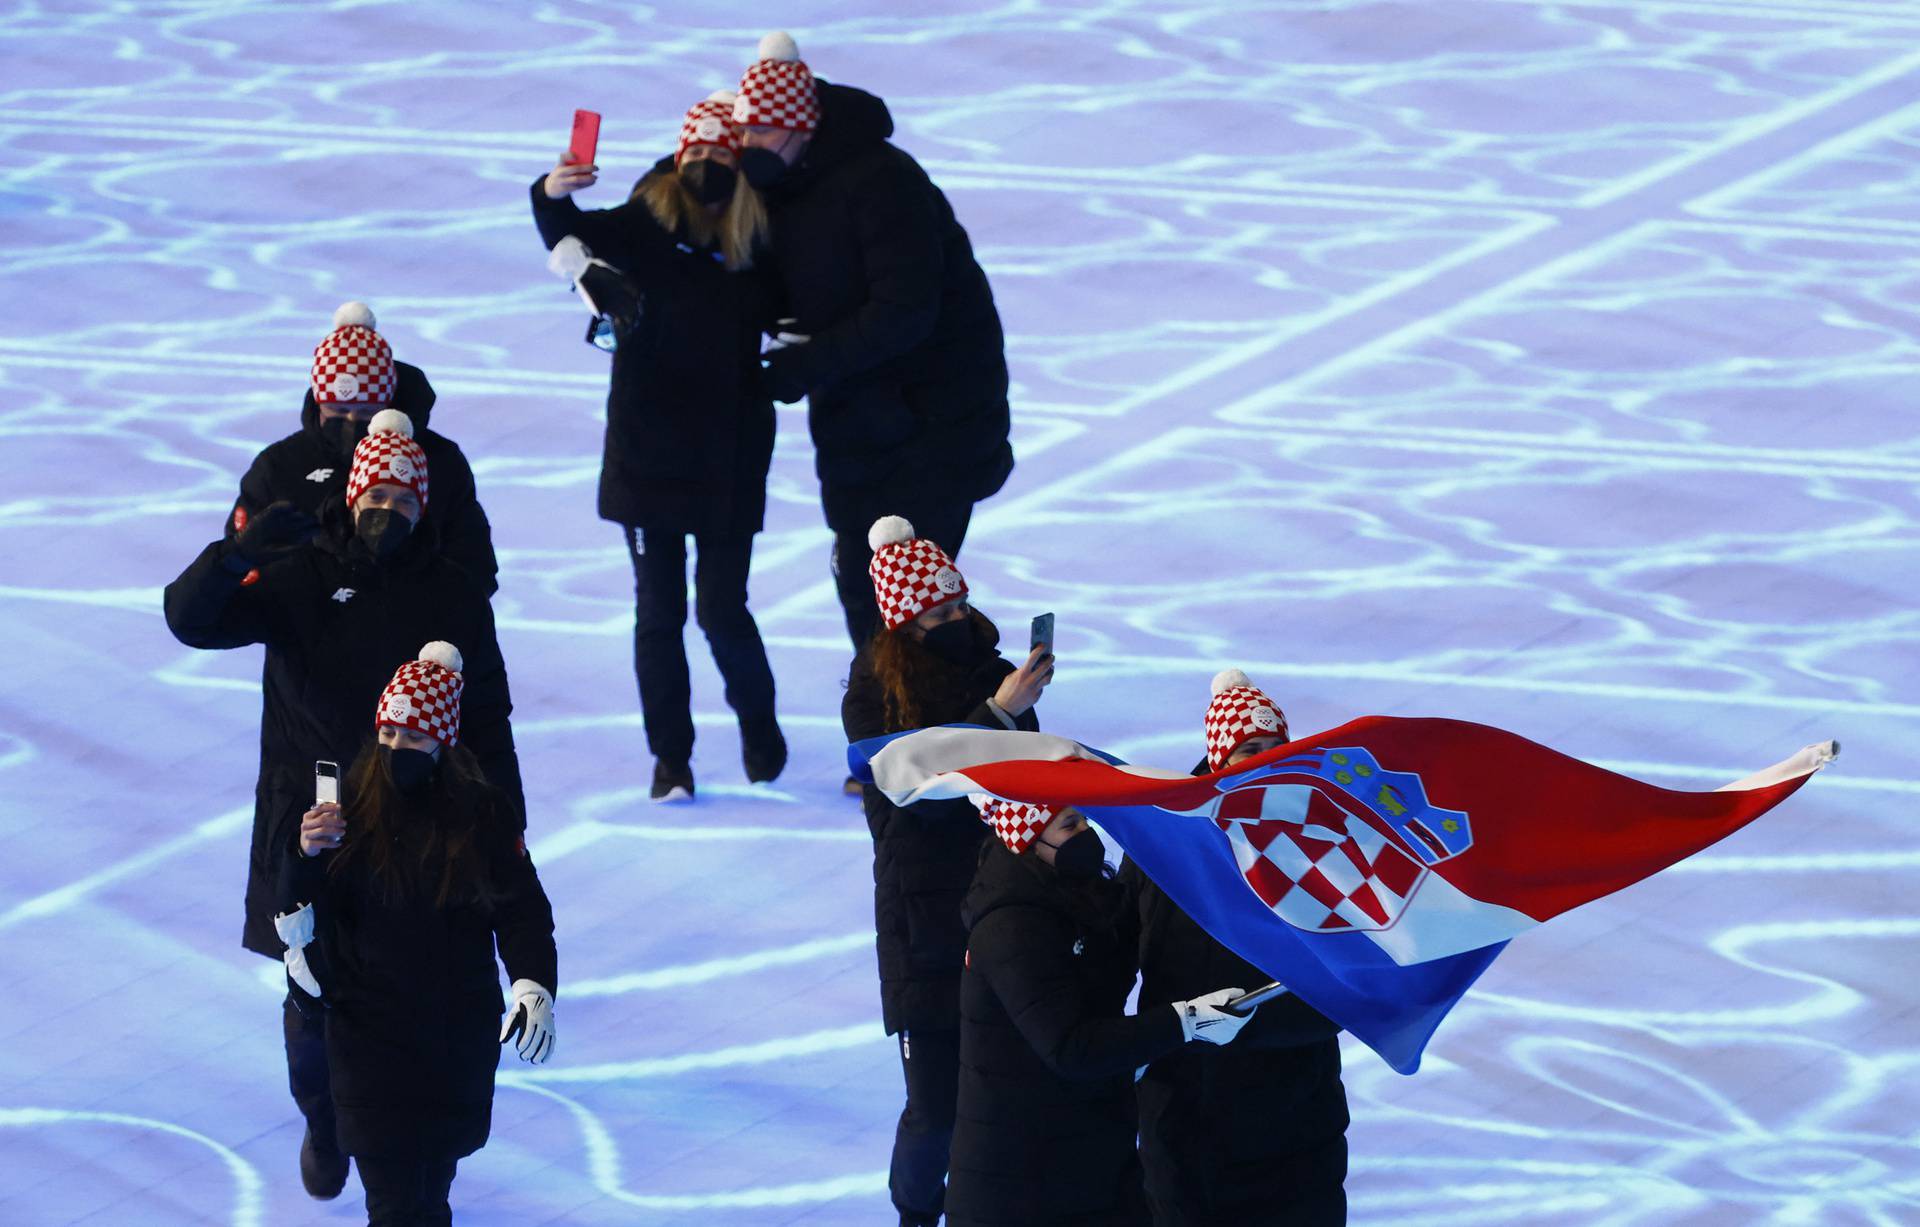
343	595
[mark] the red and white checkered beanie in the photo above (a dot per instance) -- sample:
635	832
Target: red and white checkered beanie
388	454
1017	823
1240	711
354	364
709	123
910	574
424	694
778	91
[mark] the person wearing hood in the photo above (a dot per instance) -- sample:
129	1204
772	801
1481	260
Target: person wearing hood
1045	1131
354	377
394	902
690	428
340	602
1253	1133
933	662
893	336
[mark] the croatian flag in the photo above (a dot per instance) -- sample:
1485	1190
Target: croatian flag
1375	869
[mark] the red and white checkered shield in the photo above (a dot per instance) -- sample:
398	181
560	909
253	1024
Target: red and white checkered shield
1318	865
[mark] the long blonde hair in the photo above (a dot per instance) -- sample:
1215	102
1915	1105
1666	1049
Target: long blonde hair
739	230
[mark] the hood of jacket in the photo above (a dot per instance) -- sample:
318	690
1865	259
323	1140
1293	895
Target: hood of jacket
412	395
852	122
1008	880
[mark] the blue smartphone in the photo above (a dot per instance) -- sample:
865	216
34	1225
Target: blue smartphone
1042	632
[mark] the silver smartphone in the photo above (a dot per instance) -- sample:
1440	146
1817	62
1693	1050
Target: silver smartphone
326	782
1042	632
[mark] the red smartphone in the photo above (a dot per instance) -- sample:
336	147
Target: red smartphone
586	138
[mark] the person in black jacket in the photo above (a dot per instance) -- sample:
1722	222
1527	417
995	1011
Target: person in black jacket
1046	1123
309	466
403	891
1255	1133
689	426
897	344
934	662
337	613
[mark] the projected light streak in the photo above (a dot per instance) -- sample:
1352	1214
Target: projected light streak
716	969
224	827
246	1204
813	1043
603	1164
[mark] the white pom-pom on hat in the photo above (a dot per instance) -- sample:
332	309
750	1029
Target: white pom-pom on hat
722	95
444	654
1229	679
391	422
887	530
349	314
779	45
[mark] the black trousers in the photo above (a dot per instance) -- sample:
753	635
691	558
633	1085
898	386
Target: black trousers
659	633
943	521
306	1040
406	1191
917	1178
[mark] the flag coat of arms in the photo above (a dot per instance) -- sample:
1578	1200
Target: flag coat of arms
1375	869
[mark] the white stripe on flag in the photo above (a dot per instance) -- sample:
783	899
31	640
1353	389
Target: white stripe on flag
930	765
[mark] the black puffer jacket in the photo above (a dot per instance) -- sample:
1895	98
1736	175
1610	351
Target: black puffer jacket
336	625
906	370
689	425
1046	1123
305	469
412	991
923	856
1251	1132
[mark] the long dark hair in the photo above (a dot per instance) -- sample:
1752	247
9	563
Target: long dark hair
404	844
919	687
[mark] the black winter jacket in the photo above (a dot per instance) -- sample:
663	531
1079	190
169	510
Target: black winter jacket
412	992
689	424
336	625
923	859
1249	1132
306	470
906	371
1046	1122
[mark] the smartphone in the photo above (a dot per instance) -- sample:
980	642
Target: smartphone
326	782
586	138
1042	631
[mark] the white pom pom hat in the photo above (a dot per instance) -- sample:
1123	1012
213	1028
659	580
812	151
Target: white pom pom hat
910	574
353	365
388	455
709	122
424	694
1239	712
778	90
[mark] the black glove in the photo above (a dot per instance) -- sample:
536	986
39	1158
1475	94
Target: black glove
781	375
274	531
613	296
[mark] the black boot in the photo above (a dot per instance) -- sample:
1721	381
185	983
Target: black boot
323	1169
763	751
672	781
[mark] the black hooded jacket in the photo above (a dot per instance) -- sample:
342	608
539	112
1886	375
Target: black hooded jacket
412	991
923	855
306	469
906	370
1046	1123
336	624
689	424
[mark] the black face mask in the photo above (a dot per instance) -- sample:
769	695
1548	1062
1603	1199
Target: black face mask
383	529
412	770
953	642
344	434
1082	856
762	167
710	182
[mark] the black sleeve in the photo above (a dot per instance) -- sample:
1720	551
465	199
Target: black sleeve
618	235
863	715
1036	984
256	491
466	538
522	915
898	228
486	710
211	604
1286	1022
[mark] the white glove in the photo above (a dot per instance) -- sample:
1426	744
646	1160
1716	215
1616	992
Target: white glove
783	338
296	930
531	1018
1203	1019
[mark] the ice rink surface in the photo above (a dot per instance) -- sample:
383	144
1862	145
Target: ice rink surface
1545	364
